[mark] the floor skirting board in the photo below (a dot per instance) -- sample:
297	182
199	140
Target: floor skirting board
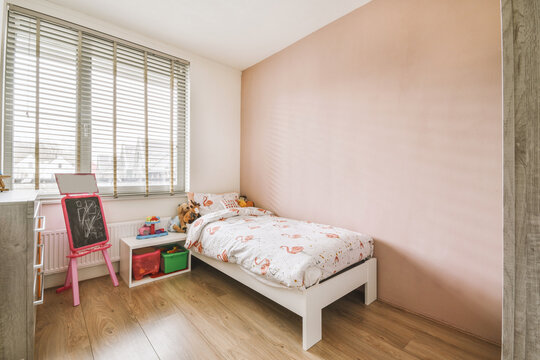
437	321
57	279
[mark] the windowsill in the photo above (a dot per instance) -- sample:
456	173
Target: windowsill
55	198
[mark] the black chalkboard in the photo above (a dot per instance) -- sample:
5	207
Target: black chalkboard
86	222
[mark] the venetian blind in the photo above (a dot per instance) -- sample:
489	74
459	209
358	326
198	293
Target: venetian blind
80	101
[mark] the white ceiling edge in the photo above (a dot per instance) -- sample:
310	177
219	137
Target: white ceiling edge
236	33
60	12
298	37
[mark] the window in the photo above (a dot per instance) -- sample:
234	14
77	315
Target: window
79	101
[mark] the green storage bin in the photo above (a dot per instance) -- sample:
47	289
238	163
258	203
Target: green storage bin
175	261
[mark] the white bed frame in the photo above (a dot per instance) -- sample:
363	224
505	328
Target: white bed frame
308	303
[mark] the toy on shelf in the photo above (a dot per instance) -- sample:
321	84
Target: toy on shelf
244	202
149	229
186	214
173	250
2	184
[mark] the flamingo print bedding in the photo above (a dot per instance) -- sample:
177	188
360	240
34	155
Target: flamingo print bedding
281	251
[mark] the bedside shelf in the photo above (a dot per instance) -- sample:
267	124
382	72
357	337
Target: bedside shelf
128	244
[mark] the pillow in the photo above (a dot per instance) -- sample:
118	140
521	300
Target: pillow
230	204
211	202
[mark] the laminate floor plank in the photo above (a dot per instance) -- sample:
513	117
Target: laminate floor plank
172	335
205	314
284	337
373	323
279	338
232	337
61	329
356	340
477	348
433	349
113	332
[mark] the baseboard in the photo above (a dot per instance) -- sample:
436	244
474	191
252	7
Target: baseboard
440	322
57	279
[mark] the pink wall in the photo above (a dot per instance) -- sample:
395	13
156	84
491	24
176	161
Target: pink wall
388	121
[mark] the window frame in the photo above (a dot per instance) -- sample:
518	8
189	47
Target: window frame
182	158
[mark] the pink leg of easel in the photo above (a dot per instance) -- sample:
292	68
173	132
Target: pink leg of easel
72	281
110	267
75	281
67	283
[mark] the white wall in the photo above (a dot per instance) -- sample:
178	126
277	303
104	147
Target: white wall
214	121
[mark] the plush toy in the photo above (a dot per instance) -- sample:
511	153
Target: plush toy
243	202
2	184
193	212
187	213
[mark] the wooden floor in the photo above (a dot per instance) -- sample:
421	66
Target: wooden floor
206	315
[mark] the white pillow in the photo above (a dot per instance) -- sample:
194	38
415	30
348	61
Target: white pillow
212	202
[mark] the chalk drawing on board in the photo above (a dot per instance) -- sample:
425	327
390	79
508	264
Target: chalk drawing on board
88	214
86	221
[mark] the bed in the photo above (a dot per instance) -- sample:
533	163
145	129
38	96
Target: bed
301	265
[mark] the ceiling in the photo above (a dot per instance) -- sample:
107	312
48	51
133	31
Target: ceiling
238	33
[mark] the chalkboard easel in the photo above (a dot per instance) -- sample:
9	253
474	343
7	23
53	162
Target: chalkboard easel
85	225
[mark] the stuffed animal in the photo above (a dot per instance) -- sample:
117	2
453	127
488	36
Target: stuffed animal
193	212
244	202
187	213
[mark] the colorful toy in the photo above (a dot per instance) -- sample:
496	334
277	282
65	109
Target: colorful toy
187	213
2	183
244	202
149	229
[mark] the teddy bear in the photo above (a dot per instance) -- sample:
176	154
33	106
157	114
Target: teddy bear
187	213
244	202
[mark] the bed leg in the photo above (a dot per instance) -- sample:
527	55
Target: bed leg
311	326
370	288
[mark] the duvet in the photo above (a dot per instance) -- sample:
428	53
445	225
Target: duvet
282	251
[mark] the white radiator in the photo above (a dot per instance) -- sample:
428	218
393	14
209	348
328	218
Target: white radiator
57	247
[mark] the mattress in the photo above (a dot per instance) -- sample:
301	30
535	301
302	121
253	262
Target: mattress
278	251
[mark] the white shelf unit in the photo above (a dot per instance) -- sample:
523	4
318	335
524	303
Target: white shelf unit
128	244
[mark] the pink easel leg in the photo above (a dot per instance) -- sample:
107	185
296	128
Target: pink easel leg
67	283
75	281
110	267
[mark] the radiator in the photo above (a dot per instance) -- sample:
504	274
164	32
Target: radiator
57	248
